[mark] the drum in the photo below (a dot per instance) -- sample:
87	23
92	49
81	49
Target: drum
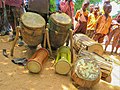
33	26
63	60
105	64
81	41
60	24
86	72
36	62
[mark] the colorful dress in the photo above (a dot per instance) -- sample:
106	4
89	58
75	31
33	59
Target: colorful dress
82	18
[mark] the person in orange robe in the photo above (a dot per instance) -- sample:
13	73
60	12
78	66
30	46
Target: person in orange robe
81	17
92	18
91	8
103	24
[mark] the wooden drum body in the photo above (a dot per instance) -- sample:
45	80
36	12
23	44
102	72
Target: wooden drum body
63	60
82	41
105	65
36	62
33	26
86	72
60	24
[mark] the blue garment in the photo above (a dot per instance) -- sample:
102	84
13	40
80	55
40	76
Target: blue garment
57	5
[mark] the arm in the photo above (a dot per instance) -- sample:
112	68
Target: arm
77	15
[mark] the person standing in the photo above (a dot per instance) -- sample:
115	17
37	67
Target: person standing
103	24
92	18
115	34
91	8
81	17
67	6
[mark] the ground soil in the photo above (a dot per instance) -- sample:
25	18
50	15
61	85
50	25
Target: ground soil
15	77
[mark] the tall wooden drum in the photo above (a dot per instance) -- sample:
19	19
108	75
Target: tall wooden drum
82	41
60	24
86	72
33	26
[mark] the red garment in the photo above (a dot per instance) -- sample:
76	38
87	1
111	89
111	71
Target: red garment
67	8
16	3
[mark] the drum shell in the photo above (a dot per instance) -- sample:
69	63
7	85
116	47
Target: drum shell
32	36
63	60
82	41
105	64
32	28
58	33
84	83
38	59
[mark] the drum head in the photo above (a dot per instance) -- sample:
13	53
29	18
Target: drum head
34	66
61	18
97	48
87	69
62	67
32	20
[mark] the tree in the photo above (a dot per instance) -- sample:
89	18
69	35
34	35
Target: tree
78	3
117	1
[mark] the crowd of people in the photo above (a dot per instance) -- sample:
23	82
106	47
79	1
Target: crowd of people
96	23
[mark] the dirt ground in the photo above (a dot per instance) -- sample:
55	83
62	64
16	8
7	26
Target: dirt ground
14	77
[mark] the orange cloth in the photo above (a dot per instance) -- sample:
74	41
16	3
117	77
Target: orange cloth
92	18
103	24
81	25
81	15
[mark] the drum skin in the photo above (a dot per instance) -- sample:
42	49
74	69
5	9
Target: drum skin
33	26
35	63
60	24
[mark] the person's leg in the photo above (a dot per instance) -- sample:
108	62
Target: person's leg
110	35
114	42
118	45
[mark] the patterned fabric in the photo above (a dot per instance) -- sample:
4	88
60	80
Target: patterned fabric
16	3
92	18
66	8
81	17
